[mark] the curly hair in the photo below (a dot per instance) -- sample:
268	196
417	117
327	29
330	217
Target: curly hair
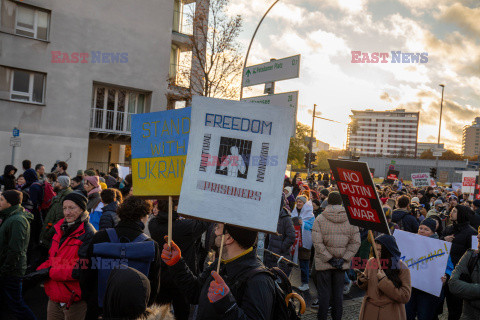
134	209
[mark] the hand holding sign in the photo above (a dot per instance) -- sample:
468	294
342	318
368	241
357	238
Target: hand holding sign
218	288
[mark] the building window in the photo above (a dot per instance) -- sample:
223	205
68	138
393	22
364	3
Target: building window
32	22
112	108
24	85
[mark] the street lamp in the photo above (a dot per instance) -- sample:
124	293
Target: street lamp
250	45
439	127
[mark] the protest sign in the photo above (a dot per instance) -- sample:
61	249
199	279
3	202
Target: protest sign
420	179
236	162
123	171
468	181
476	194
456	186
159	151
392	175
426	258
474	242
359	195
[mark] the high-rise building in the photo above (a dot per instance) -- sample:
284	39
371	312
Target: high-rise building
471	139
383	133
424	146
73	72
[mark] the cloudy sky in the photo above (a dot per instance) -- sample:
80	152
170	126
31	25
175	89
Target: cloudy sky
325	32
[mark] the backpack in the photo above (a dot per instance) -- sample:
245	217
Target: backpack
48	195
107	256
283	287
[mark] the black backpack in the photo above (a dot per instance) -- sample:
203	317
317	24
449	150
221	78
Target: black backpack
283	287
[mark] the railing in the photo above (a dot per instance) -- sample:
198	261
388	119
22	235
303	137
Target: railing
102	120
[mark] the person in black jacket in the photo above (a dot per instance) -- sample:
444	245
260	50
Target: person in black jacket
460	235
185	232
219	295
133	214
109	218
281	243
8	178
403	217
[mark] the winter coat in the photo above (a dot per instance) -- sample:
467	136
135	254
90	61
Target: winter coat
463	233
470	292
405	220
14	237
110	181
54	214
126	231
8	180
93	201
258	297
282	243
382	299
109	218
65	258
81	190
334	237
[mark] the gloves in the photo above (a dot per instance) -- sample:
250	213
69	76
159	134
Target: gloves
171	254
218	288
336	263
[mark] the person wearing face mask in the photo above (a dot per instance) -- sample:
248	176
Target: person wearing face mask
55	213
133	214
69	246
460	235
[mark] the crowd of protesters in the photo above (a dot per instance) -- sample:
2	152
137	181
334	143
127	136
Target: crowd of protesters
74	234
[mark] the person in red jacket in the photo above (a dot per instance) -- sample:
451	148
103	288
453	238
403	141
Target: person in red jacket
66	256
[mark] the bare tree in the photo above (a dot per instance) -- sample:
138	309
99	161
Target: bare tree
217	52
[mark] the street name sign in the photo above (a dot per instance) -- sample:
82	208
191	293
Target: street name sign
275	70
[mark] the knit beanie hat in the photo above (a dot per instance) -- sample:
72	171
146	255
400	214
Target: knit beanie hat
325	192
245	238
80	173
64	181
13	197
90	173
415	199
93	180
79	200
103	185
430	223
302	198
334	198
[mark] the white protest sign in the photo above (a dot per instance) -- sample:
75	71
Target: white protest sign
474	242
123	171
420	179
426	258
468	181
236	160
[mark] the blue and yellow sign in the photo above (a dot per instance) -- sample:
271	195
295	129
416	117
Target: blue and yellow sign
159	151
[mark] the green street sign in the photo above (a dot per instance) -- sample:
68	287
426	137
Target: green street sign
275	70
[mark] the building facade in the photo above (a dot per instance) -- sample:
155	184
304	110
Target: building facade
73	73
383	133
424	146
320	146
471	139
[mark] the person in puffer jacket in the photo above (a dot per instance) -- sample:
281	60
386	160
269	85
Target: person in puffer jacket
281	243
67	256
109	218
336	242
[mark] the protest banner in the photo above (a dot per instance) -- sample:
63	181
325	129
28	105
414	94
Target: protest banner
159	151
123	171
236	162
476	194
359	195
474	242
426	258
392	175
420	179
468	181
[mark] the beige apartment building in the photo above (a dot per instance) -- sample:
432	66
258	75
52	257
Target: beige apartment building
471	139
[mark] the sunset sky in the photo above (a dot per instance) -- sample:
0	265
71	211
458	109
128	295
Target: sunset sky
325	32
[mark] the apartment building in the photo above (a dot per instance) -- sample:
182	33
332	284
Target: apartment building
424	146
73	72
471	139
383	133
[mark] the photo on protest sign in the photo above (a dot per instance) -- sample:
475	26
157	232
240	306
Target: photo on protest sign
359	195
420	179
159	151
426	259
468	181
236	162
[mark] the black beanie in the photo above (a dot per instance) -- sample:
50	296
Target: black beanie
244	237
79	200
13	197
334	198
430	223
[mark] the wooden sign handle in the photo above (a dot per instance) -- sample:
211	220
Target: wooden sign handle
372	241
170	214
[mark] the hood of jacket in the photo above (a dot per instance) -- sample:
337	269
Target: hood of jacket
163	216
9	168
14	210
30	176
398	214
121	303
111	207
305	213
335	213
390	243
